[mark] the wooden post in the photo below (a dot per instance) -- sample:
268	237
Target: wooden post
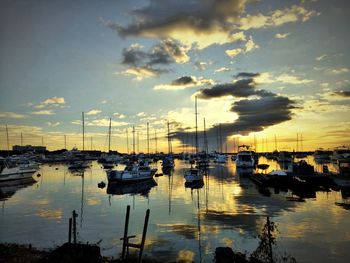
70	231
125	239
144	235
74	227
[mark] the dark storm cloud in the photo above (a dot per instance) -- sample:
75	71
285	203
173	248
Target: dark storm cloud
255	114
247	75
240	88
166	52
183	81
342	93
161	16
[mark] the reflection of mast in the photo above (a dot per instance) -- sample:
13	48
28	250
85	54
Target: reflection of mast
82	200
171	180
199	228
206	191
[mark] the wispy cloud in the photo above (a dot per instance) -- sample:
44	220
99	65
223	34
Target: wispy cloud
321	57
43	112
222	69
337	71
100	123
184	83
53	124
93	112
12	115
282	36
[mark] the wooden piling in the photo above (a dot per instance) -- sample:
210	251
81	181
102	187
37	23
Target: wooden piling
74	227
126	226
70	231
145	226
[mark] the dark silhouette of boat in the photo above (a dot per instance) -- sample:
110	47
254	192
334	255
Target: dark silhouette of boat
142	188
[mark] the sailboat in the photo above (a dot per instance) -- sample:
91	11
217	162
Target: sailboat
194	175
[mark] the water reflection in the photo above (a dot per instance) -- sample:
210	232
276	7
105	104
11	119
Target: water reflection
141	188
9	188
185	223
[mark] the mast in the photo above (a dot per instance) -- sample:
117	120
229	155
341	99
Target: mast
42	141
220	138
133	139
138	142
21	139
91	142
297	142
65	142
127	141
205	140
83	131
169	145
196	138
148	138
8	141
155	138
109	135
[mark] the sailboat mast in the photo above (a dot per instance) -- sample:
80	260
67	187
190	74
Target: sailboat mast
8	141
169	146
155	138
83	131
127	141
109	135
148	138
133	139
205	139
196	138
275	143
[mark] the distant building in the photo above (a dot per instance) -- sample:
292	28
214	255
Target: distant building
29	148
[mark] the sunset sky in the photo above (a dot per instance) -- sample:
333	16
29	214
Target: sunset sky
258	68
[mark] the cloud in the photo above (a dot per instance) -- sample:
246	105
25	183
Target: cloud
142	63
93	112
276	18
200	65
233	52
339	71
11	115
54	100
241	88
184	82
119	115
282	36
50	102
141	73
321	57
250	45
53	124
101	123
202	23
43	112
256	109
247	75
290	79
141	114
222	69
342	93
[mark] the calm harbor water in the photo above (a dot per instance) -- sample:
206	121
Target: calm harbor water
185	224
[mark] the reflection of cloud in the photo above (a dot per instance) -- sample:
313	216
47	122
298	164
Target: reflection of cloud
188	231
50	214
185	256
93	201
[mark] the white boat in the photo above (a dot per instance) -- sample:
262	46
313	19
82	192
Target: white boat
220	158
134	172
193	175
17	172
245	157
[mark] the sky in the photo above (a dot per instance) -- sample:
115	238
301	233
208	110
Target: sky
259	70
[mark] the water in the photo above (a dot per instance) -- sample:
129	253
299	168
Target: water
184	224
